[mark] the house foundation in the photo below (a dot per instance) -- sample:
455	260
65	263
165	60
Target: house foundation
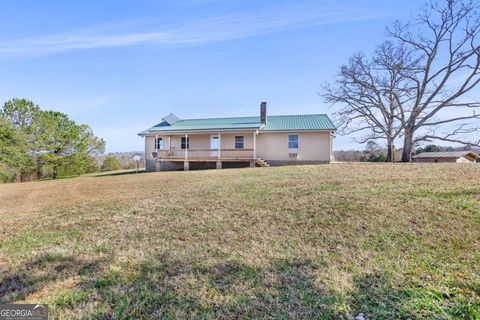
169	166
151	165
278	163
162	165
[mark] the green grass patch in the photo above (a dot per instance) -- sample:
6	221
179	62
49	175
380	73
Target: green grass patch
308	242
24	243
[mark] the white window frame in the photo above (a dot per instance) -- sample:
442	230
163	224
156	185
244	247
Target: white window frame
159	143
235	142
187	143
298	141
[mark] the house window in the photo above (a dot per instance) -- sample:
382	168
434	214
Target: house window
293	141
158	143
185	143
239	142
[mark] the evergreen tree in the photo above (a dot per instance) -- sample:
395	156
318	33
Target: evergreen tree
63	143
13	151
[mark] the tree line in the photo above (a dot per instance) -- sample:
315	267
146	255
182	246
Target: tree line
415	88
35	143
373	152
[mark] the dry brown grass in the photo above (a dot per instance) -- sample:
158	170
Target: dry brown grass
329	241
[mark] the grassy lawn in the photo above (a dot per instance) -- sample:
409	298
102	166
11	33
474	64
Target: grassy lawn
319	242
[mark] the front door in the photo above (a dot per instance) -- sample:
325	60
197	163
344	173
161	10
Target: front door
214	145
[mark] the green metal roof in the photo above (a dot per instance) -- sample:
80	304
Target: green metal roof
274	123
298	123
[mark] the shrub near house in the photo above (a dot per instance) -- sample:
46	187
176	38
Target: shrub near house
111	163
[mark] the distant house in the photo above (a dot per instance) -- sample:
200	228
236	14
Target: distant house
176	144
451	156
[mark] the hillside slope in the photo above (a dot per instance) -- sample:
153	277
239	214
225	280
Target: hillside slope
331	241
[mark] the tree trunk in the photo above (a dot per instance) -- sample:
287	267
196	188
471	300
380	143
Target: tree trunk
390	152
25	176
55	170
407	147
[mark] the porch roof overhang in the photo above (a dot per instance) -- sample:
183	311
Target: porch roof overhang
214	131
194	131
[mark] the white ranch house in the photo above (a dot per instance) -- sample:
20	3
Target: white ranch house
184	144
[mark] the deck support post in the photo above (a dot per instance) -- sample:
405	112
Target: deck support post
219	148
187	145
186	165
254	144
252	163
219	164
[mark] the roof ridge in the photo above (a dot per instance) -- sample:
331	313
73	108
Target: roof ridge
303	114
273	115
242	117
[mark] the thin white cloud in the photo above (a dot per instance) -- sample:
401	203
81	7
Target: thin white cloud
78	107
201	31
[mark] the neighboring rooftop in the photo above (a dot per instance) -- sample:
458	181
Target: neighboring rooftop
447	154
273	123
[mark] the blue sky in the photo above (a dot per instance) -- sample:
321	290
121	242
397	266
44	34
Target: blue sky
120	66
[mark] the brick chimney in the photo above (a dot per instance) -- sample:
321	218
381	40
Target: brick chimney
263	112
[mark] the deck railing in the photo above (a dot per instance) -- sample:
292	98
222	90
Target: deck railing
205	154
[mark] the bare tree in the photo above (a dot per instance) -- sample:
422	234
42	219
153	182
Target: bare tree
444	66
366	90
417	84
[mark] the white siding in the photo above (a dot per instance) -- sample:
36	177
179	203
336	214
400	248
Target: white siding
312	146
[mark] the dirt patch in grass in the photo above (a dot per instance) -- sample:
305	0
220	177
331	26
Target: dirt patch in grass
327	241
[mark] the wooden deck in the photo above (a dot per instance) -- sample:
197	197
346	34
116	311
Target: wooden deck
206	155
